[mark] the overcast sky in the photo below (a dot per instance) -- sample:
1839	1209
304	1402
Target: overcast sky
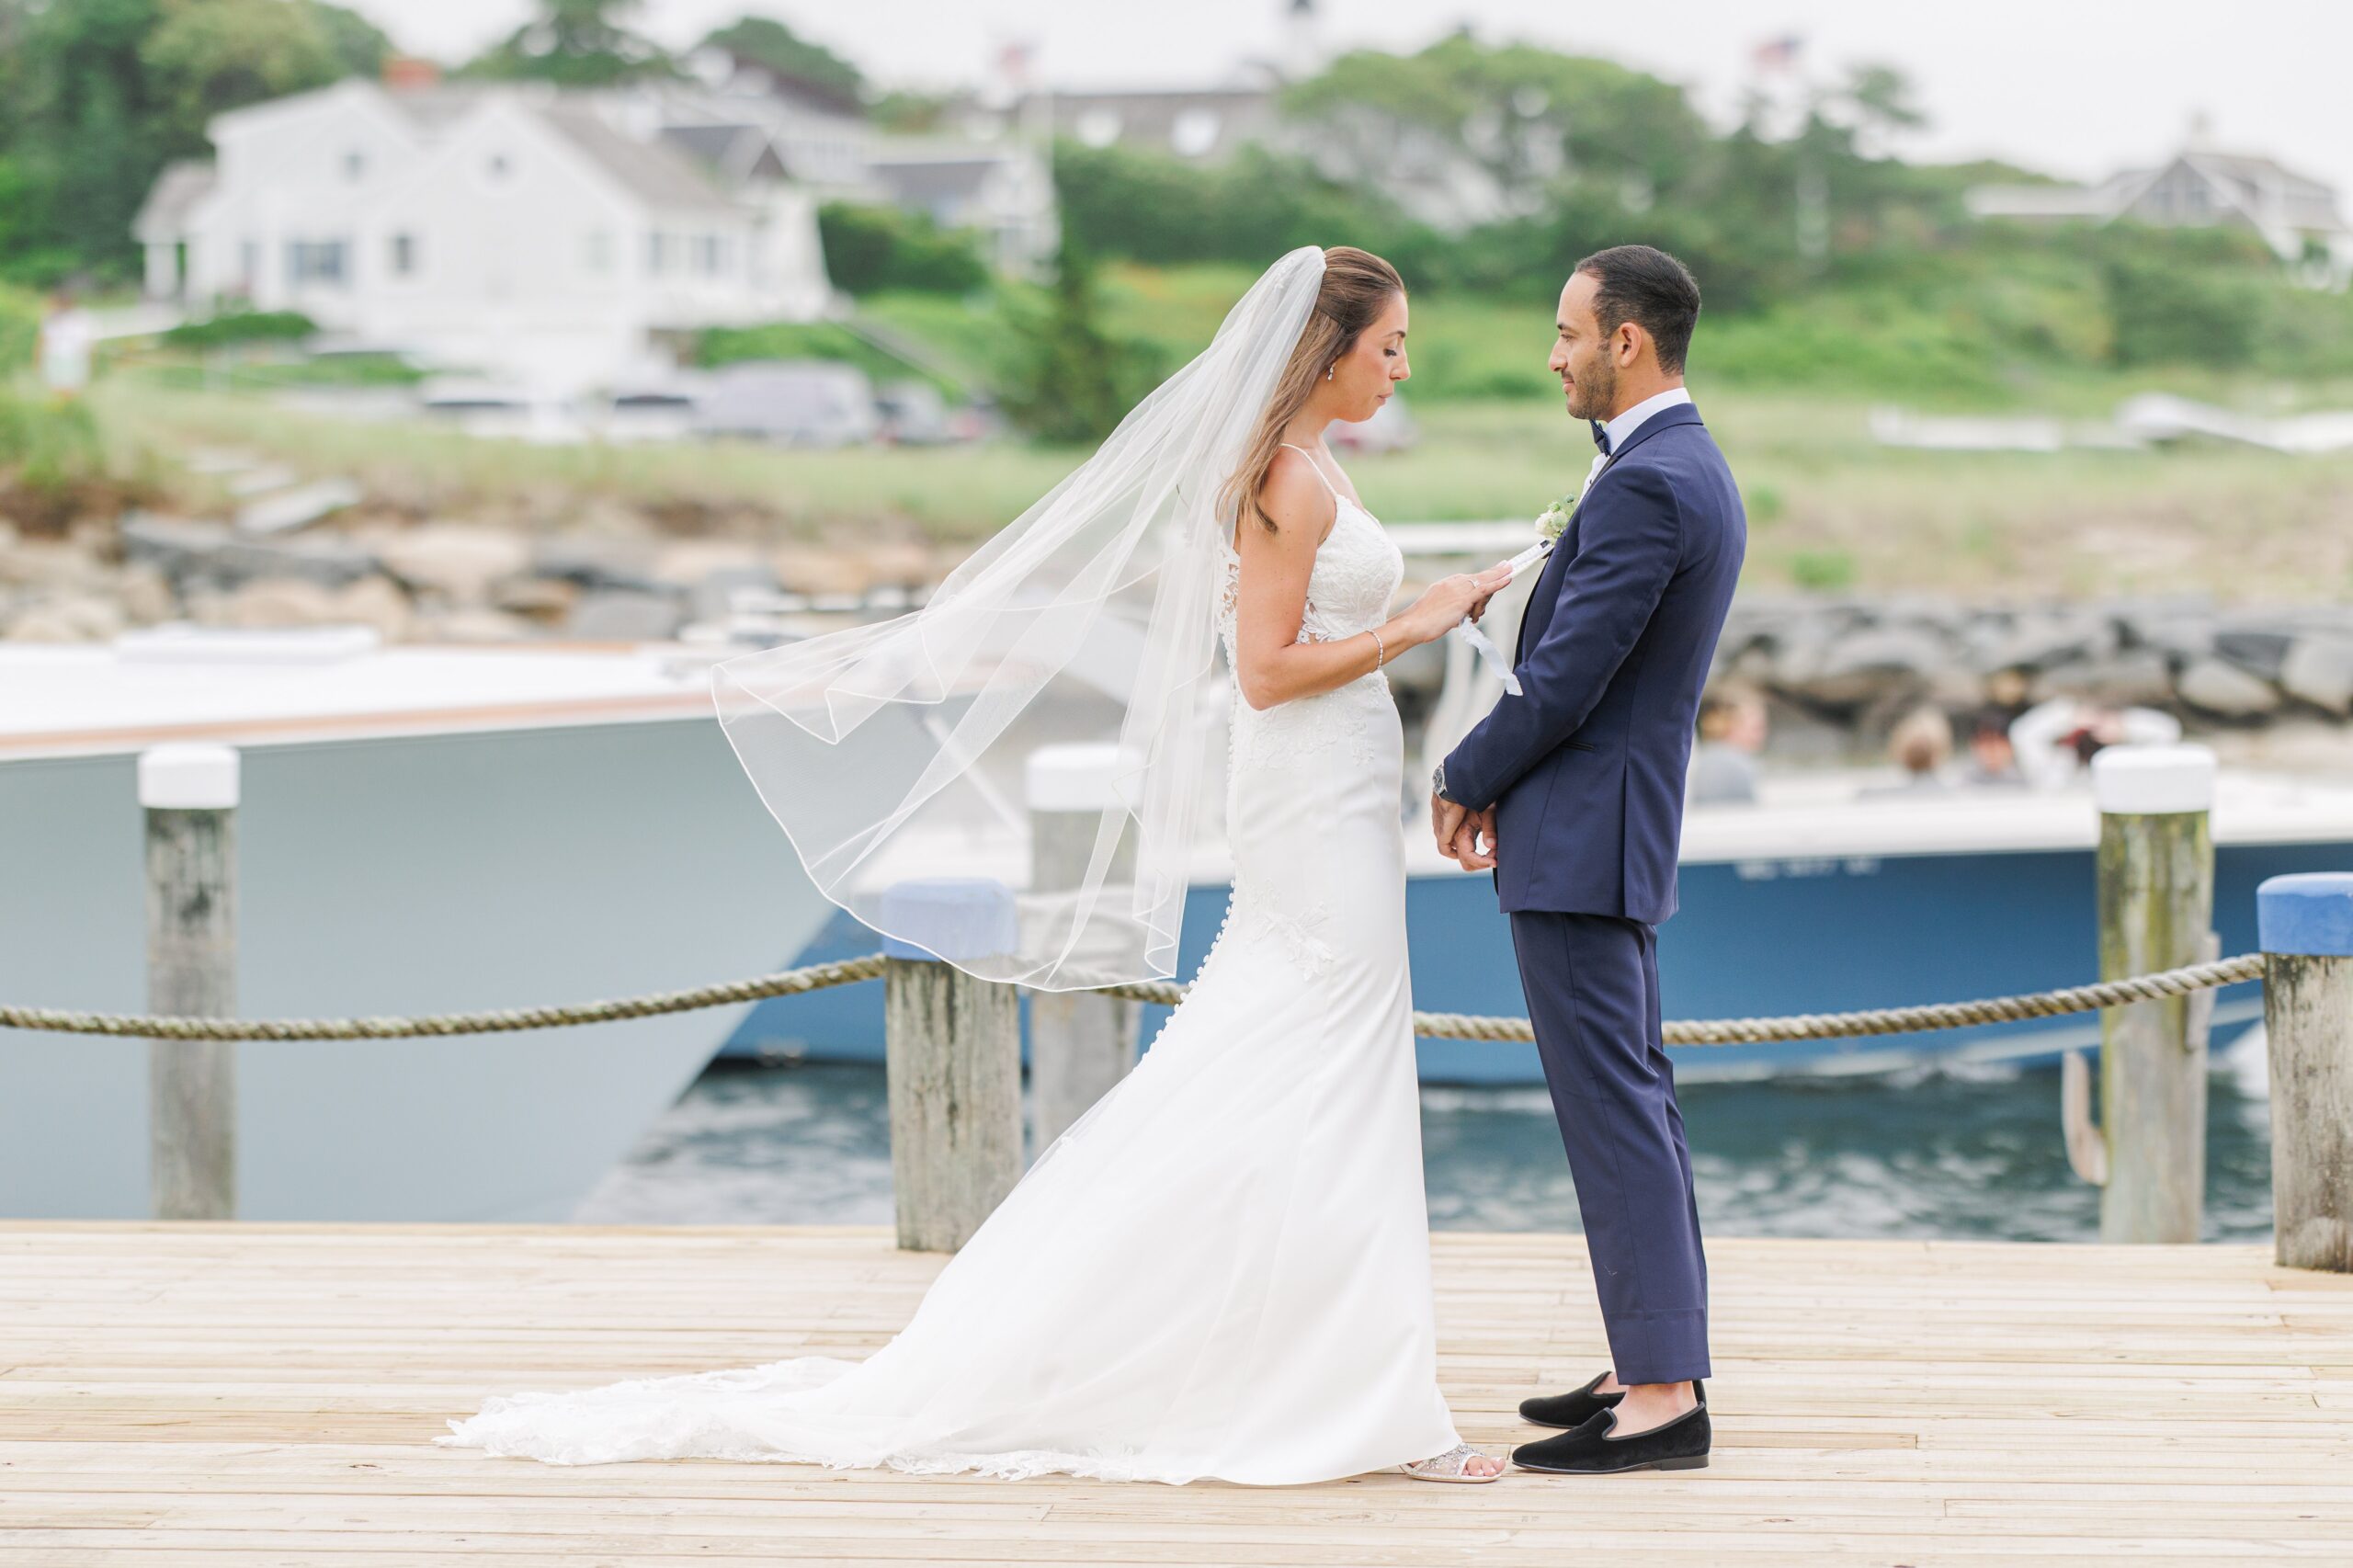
2075	86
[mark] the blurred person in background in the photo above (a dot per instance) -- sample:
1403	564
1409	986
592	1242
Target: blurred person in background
1921	744
67	334
2055	741
1992	764
1732	727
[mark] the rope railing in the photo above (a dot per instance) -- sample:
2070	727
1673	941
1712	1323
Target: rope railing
848	971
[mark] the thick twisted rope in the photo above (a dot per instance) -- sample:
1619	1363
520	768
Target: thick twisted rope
1437	1025
506	1020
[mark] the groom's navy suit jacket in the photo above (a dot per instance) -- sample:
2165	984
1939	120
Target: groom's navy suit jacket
1585	767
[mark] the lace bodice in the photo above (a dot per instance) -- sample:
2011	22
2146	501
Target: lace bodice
1355	577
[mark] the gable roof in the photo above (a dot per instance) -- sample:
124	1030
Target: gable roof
655	173
164	215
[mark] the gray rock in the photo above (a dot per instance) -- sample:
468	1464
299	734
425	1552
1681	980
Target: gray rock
2135	676
1863	666
2180	637
2258	650
2040	639
2319	669
596	563
2214	686
620	615
212	552
713	597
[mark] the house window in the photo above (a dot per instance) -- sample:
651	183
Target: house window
710	254
657	253
597	251
497	166
315	261
404	255
248	264
1098	127
354	165
1194	132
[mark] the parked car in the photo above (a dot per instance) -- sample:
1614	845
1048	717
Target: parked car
914	414
807	403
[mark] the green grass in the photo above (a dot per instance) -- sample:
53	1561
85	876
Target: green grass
1828	508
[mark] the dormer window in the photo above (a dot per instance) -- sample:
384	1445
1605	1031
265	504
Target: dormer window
355	165
497	166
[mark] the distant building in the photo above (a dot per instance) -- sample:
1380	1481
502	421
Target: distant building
991	178
550	237
2199	187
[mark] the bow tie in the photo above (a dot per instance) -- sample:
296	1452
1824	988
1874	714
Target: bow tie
1600	436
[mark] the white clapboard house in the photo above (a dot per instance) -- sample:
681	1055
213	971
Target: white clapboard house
551	238
2200	187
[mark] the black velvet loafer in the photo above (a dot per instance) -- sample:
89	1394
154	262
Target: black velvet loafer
1572	1410
1681	1444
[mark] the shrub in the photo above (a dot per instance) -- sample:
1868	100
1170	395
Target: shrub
242	325
871	248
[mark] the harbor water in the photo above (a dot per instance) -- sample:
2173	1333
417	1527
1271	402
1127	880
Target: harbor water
1946	1153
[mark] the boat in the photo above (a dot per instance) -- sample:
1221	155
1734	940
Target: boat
422	829
1812	901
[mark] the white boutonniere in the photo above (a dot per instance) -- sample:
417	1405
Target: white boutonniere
1554	519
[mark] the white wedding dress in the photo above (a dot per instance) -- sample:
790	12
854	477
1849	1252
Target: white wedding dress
1222	1269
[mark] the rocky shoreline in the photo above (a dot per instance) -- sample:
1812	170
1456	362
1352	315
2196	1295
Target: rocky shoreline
1839	671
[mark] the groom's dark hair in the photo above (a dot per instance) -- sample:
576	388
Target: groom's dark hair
1650	289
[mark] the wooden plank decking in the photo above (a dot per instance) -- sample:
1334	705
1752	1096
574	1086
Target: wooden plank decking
266	1394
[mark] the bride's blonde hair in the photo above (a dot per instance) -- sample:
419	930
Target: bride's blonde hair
1358	286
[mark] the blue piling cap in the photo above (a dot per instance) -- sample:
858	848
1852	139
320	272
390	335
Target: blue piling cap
2310	913
949	918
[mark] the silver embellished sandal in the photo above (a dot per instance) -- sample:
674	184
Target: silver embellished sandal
1452	1467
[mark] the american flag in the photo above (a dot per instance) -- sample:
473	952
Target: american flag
1776	54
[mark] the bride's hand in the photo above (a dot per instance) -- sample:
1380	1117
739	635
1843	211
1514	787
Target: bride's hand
1448	599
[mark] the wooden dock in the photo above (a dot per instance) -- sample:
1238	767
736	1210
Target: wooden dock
244	1396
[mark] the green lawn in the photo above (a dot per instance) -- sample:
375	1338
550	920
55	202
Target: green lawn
1828	509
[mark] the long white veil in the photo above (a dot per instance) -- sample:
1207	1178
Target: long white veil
891	753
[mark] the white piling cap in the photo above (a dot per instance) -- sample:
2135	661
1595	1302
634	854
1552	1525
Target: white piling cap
1078	777
187	777
2153	780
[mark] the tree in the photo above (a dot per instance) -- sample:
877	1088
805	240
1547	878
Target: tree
209	56
97	95
1074	381
776	48
578	43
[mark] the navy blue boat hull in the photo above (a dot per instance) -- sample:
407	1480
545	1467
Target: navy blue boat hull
1752	938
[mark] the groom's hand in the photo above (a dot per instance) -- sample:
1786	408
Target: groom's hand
1465	850
1445	817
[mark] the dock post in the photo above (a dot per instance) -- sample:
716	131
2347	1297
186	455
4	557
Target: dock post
190	793
952	1053
2157	912
1080	1043
2306	927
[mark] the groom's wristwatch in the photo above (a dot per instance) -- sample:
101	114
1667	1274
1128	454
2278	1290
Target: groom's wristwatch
1437	786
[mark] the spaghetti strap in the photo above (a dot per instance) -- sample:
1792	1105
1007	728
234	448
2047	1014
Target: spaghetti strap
1318	467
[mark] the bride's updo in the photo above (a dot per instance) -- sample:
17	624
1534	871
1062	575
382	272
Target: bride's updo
1358	286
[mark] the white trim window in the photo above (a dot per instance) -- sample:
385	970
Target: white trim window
320	263
402	252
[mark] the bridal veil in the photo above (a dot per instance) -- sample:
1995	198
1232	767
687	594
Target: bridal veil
894	752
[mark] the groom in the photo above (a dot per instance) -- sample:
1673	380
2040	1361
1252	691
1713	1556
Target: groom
1576	788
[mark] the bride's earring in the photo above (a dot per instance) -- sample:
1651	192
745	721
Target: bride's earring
1329	369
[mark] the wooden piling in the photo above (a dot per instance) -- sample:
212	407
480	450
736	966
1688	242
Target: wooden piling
2306	927
190	793
952	1054
1080	1044
2157	912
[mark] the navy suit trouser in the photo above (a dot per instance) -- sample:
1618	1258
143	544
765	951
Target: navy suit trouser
1592	987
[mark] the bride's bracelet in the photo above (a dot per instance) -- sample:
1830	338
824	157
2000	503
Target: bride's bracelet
1379	649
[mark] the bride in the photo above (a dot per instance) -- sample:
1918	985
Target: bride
1222	1268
